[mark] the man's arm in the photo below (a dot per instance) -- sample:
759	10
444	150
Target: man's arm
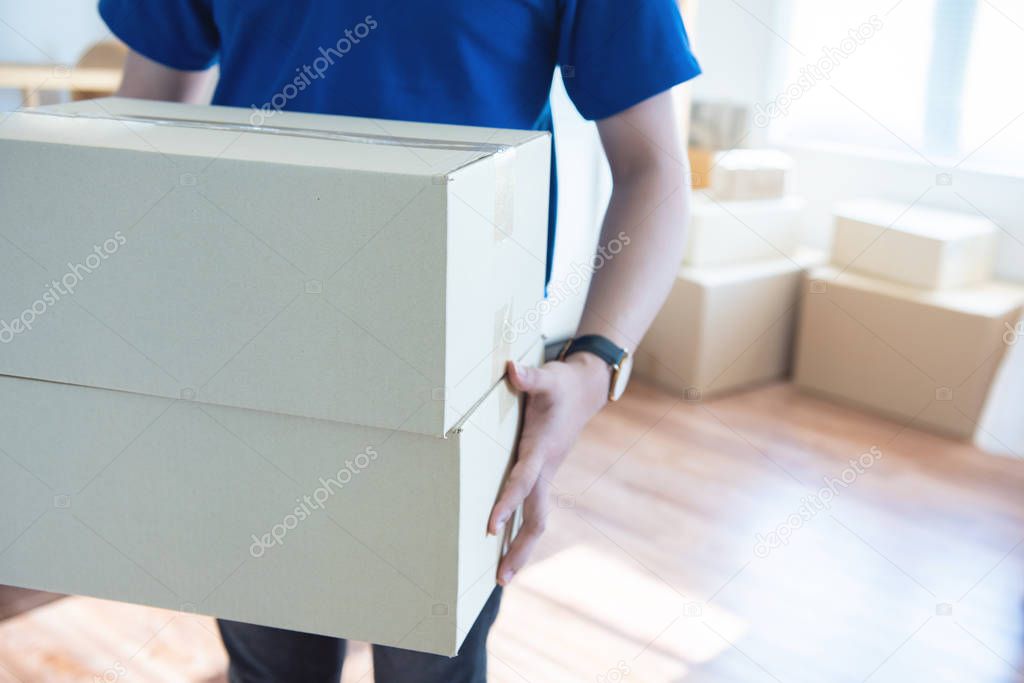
650	208
148	80
647	216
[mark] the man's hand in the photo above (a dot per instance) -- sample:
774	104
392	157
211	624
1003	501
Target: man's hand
561	397
649	205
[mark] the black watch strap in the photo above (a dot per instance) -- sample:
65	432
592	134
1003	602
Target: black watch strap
602	347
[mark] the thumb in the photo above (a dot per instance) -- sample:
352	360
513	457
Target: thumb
526	379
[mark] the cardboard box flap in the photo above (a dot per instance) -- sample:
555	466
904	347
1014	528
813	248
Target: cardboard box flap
234	133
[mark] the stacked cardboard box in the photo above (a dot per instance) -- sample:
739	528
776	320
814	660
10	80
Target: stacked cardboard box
750	174
724	232
728	322
714	126
907	320
257	372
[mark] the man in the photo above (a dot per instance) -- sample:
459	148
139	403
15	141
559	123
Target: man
474	62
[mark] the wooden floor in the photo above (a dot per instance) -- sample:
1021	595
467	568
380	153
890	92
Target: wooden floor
651	571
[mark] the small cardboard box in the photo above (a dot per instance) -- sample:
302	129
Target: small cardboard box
915	245
740	174
927	358
730	233
725	328
701	161
269	519
345	269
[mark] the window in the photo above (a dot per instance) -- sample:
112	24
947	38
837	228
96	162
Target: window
937	80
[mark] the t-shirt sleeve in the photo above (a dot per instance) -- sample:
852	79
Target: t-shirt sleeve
180	34
614	54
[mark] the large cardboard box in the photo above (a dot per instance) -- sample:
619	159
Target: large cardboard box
927	358
724	328
270	519
344	269
729	233
741	174
914	245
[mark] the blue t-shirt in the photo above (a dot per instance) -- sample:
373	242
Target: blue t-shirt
472	62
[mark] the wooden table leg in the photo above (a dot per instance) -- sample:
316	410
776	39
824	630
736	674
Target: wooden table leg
30	97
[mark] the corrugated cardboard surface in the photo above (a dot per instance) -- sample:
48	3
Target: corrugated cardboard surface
316	278
170	503
925	358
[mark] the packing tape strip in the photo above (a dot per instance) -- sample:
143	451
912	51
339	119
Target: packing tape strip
515	523
504	155
485	148
501	345
507	402
504	193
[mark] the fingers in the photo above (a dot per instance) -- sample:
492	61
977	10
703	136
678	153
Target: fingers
535	514
525	485
521	481
529	380
531	459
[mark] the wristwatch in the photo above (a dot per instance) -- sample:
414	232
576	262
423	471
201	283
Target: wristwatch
619	359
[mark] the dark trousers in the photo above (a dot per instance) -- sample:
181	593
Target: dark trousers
260	654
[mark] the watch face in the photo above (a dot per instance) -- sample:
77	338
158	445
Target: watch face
621	378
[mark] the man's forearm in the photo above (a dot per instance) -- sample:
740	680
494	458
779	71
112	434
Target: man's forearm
645	223
639	253
148	80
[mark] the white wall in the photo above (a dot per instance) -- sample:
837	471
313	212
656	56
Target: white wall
734	49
